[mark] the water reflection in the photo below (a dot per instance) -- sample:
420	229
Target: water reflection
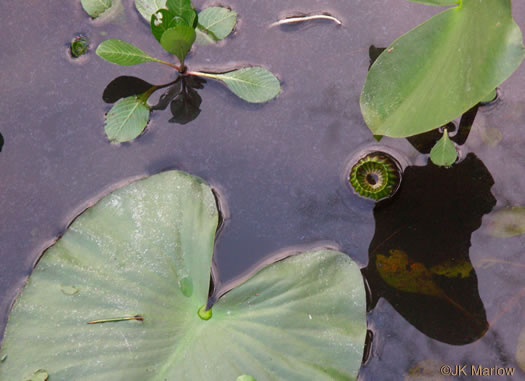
419	255
1	142
181	95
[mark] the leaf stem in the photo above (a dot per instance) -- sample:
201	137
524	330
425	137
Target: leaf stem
204	74
112	320
176	67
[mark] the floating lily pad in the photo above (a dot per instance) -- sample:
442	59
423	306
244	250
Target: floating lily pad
142	257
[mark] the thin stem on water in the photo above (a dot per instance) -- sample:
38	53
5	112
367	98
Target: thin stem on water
113	320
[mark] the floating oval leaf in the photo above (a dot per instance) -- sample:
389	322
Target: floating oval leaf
127	119
444	152
178	40
302	318
442	68
123	53
95	8
507	222
148	7
217	22
253	84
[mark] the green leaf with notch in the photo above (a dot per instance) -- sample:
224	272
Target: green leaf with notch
141	260
123	53
127	119
148	7
95	8
178	40
444	153
253	84
442	68
217	22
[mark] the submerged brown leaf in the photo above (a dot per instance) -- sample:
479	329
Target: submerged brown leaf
398	271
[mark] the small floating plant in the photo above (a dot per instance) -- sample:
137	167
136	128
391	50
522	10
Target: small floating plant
377	176
176	26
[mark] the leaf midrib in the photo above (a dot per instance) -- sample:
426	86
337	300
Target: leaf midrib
229	15
257	84
137	104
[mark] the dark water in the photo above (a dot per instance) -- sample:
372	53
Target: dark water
278	167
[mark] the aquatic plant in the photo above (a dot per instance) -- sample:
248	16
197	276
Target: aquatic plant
79	46
442	68
176	26
376	175
123	295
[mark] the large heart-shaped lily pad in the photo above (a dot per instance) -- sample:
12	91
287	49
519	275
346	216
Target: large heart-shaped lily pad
442	68
137	266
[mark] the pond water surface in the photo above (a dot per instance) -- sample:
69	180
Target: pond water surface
279	167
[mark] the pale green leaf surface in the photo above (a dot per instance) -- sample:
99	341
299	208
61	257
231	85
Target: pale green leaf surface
146	249
95	8
127	119
444	153
203	38
506	222
178	40
437	2
122	53
217	22
148	7
253	84
442	68
129	254
245	377
38	375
